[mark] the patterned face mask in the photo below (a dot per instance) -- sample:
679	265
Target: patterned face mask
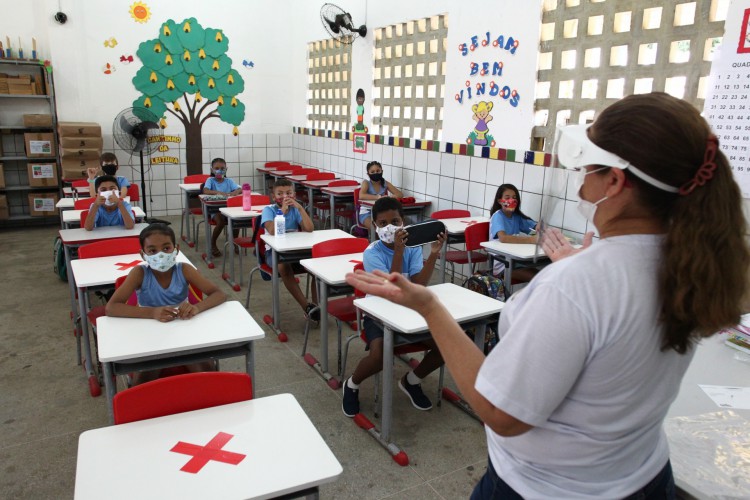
388	233
161	261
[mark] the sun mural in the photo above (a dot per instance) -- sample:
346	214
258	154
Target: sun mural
140	12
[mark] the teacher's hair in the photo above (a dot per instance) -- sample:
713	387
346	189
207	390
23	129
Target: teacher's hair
703	280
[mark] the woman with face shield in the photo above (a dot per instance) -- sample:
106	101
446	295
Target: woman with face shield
578	413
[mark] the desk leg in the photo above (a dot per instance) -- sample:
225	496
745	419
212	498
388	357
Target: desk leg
110	387
443	256
275	287
250	364
509	276
387	390
88	360
229	254
73	306
310	205
332	201
322	366
206	222
183	219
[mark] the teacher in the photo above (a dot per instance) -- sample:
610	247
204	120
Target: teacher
592	351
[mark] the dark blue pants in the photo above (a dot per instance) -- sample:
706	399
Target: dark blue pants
491	487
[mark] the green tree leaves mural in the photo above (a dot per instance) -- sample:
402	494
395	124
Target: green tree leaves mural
186	73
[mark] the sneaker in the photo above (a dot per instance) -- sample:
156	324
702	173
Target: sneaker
350	404
418	398
315	314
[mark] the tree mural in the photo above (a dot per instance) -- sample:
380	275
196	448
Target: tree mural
187	73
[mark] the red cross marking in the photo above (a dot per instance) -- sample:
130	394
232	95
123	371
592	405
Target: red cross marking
469	222
203	454
127	265
353	261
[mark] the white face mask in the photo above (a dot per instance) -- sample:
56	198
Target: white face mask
161	261
586	208
388	233
107	194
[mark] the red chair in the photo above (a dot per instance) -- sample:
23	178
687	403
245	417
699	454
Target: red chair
276	165
357	207
83	203
181	393
343	210
134	193
450	214
194	212
82	183
243	242
471	255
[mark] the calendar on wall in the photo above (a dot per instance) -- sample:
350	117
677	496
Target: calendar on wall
727	104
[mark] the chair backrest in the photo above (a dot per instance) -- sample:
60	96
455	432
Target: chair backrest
181	393
134	192
195	179
257	200
339	246
276	164
343	183
303	170
476	234
108	248
83	203
84	215
80	183
450	214
357	292
321	176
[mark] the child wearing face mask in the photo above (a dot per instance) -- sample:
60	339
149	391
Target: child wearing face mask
108	208
222	185
295	219
162	289
390	254
108	166
375	188
509	224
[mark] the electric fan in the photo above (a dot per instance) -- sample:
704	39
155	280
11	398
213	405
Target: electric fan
338	24
131	129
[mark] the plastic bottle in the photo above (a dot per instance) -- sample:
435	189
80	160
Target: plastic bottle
279	224
247	202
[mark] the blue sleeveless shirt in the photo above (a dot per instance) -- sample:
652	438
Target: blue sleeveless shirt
151	293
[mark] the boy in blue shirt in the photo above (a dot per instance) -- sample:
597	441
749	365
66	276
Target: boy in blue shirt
391	255
296	219
221	185
109	165
108	208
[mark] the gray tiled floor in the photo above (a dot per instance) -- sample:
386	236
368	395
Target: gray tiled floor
45	404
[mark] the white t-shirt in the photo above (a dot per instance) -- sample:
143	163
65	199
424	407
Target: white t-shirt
579	359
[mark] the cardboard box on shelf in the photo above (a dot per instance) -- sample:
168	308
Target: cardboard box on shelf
76	169
42	204
21	88
4	213
39	144
79	129
81	143
80	154
2	176
37	120
42	174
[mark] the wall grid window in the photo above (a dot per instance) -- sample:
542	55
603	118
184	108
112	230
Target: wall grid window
329	64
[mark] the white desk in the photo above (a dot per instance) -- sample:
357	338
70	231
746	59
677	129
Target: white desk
330	273
341	192
68	191
293	247
312	187
136	344
234	214
713	364
96	273
69	203
456	229
283	453
189	190
73	217
466	307
513	252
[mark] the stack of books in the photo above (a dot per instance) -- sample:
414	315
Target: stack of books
739	336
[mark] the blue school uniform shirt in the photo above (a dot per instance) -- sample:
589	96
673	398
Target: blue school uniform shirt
511	226
227	185
292	218
113	218
151	293
380	257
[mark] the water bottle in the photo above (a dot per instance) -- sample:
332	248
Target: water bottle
247	202
279	224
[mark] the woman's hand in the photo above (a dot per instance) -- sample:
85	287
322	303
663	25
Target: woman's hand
557	247
394	287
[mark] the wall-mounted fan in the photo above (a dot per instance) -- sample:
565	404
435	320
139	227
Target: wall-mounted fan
338	23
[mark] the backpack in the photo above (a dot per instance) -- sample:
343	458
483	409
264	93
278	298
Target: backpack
58	260
487	284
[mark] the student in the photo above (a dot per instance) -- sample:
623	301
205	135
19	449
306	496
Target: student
162	289
509	224
296	219
374	189
108	166
390	254
222	185
108	208
579	414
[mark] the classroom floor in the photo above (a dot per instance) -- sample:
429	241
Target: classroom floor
45	402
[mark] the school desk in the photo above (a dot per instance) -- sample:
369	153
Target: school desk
341	193
714	363
468	308
267	177
72	218
330	273
456	229
189	190
268	448
235	216
69	204
312	188
74	238
512	253
290	248
92	274
70	192
136	344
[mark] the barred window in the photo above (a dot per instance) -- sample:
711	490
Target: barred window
329	64
409	83
595	52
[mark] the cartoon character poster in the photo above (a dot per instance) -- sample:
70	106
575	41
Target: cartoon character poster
360	125
481	136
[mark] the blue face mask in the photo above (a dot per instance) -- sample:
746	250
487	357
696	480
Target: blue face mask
220	172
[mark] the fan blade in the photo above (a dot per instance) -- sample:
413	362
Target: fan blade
149	125
126	126
139	145
332	25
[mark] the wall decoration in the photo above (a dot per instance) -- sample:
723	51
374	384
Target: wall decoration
110	42
360	108
480	136
108	69
359	142
248	64
187	74
494	69
164	148
126	59
140	12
